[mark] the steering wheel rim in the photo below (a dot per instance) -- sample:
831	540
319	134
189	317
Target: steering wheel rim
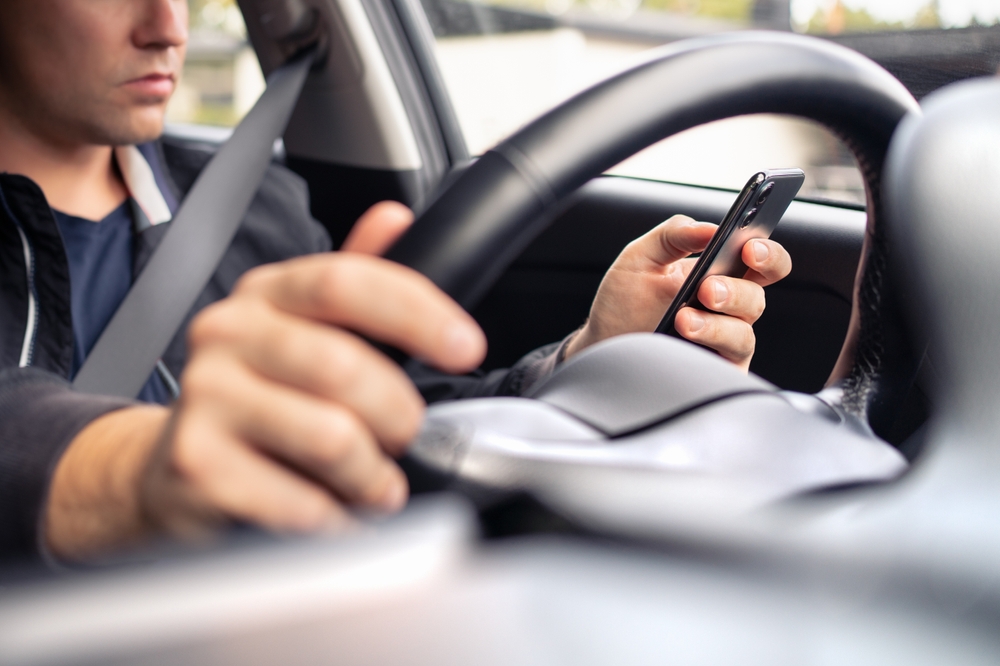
477	227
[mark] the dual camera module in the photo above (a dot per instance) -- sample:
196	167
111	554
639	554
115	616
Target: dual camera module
751	214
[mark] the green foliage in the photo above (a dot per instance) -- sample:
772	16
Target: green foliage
733	10
222	115
840	18
928	16
216	15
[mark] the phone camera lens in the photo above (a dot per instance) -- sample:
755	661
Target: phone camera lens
764	194
750	216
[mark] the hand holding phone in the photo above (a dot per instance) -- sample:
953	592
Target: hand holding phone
756	212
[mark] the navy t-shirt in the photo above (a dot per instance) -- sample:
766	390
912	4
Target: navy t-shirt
100	273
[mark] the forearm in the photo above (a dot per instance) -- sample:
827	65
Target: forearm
436	386
93	504
39	416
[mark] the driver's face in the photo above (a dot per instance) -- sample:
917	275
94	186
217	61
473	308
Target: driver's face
91	71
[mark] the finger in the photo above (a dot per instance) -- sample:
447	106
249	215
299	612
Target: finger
666	243
767	261
378	299
326	362
247	486
732	338
378	228
324	440
732	296
675	275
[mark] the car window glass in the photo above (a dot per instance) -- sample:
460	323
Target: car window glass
221	80
507	61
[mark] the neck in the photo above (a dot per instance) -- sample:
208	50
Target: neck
77	178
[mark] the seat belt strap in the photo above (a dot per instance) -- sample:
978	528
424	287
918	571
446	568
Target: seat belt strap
138	334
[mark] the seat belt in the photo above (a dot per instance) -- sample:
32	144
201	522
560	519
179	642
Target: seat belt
138	334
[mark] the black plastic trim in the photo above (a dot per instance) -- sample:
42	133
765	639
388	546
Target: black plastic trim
409	80
420	36
339	194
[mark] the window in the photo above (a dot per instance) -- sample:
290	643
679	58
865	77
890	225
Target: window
823	17
507	61
221	78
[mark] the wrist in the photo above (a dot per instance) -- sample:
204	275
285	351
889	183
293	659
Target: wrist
93	500
578	341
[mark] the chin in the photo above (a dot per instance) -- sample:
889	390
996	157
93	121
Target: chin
131	127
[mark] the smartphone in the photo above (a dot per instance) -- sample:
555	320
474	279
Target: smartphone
755	213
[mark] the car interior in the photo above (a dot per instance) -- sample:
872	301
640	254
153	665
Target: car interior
546	292
647	503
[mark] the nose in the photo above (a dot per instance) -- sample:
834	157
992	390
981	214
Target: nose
164	24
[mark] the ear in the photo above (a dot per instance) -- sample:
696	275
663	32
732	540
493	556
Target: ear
379	227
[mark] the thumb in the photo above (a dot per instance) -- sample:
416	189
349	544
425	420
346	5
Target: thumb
666	243
379	227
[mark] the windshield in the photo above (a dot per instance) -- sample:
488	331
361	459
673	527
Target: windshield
222	78
507	61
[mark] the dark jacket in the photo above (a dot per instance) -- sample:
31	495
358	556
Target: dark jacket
40	414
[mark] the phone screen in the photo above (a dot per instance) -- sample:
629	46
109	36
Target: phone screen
758	208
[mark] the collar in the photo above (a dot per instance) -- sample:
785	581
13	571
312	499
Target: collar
143	175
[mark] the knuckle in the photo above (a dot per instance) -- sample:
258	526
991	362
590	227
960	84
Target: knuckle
778	260
410	416
755	301
786	266
340	435
749	341
344	363
635	242
217	322
285	342
334	275
760	303
255	279
665	240
200	378
204	327
382	482
190	456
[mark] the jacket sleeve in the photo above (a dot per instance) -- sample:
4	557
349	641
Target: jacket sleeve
437	386
39	416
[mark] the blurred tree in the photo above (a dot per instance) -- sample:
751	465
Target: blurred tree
840	18
221	15
733	10
929	16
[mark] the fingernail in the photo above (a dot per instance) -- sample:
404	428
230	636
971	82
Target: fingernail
720	290
695	321
462	340
760	251
395	497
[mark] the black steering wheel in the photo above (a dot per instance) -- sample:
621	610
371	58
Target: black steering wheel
481	223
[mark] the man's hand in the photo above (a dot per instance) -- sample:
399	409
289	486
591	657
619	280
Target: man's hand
287	414
640	285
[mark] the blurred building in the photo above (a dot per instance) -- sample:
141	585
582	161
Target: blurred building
221	80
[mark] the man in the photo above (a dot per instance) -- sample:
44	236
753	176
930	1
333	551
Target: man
285	416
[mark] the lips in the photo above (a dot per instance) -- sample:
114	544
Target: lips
152	85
